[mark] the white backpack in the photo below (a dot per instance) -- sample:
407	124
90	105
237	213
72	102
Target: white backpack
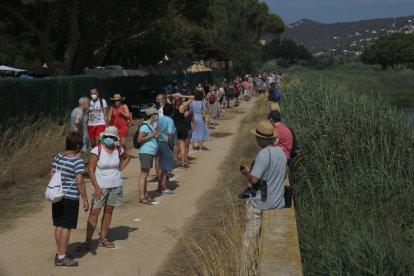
54	191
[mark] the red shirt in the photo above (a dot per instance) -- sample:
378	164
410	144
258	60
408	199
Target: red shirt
285	138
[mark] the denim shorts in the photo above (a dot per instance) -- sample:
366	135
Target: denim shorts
165	157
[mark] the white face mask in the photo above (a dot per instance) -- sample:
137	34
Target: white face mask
94	97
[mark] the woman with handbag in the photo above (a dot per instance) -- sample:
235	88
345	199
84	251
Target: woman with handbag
65	212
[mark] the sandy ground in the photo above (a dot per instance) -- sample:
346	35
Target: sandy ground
143	234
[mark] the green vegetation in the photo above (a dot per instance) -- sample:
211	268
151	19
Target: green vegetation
286	51
353	180
71	35
390	51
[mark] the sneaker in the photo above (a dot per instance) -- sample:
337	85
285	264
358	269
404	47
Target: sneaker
66	262
167	192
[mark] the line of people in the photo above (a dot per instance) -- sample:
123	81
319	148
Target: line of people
180	123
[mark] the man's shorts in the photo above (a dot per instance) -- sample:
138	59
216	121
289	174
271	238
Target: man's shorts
165	157
246	92
95	131
146	160
65	213
110	197
229	98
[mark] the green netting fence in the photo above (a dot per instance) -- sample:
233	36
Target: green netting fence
57	96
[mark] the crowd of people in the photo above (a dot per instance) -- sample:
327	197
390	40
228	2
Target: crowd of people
180	124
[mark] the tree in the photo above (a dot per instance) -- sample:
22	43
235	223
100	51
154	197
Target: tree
232	30
74	34
287	51
391	50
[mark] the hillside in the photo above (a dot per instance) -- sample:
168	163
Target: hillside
347	37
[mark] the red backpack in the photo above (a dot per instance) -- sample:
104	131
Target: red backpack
212	98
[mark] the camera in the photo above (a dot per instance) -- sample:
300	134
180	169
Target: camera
252	191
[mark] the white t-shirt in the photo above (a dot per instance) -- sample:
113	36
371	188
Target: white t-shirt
107	170
96	113
161	112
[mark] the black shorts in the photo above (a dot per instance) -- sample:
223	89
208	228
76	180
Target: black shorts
183	133
65	213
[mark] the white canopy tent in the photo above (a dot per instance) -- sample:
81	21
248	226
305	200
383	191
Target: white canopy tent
8	69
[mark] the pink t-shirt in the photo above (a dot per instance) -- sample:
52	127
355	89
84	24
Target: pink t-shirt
246	85
285	138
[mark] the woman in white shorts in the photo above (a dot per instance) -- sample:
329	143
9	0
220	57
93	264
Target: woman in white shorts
106	162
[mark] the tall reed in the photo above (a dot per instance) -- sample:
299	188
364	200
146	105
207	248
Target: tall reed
354	181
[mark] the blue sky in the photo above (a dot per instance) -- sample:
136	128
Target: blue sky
330	11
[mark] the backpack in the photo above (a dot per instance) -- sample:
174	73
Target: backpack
135	141
212	99
54	190
274	94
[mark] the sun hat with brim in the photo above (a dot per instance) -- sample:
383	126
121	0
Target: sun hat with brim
117	97
110	131
264	129
150	111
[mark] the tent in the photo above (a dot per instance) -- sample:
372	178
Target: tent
10	71
197	68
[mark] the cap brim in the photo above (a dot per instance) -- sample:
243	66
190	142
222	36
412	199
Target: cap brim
108	134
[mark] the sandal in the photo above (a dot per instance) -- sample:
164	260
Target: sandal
106	243
147	201
84	247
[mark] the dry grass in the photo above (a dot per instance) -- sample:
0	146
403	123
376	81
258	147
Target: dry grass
212	244
26	151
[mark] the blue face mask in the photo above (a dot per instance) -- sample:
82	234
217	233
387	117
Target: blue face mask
109	142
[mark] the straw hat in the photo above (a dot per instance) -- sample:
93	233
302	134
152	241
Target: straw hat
264	129
110	131
117	97
214	87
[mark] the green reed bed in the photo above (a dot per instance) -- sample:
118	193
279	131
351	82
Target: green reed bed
354	181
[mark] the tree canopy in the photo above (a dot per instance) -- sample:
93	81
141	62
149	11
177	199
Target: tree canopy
71	35
389	51
286	51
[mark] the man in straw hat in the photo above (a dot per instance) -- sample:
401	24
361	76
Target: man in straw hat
268	170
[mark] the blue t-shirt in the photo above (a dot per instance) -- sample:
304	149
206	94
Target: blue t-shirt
150	146
166	126
70	167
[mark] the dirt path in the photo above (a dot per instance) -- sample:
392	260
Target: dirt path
142	233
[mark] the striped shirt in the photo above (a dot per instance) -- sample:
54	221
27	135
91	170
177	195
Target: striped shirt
69	167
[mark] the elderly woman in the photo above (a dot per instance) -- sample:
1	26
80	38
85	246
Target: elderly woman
213	105
65	212
105	165
200	133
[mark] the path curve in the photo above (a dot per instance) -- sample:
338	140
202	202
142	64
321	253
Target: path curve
142	233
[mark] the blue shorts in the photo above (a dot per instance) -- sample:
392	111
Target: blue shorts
229	98
165	157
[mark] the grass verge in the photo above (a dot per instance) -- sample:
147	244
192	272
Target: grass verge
26	151
212	243
354	183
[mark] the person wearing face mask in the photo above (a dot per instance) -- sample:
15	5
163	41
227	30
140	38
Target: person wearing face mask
118	117
98	117
149	149
106	162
